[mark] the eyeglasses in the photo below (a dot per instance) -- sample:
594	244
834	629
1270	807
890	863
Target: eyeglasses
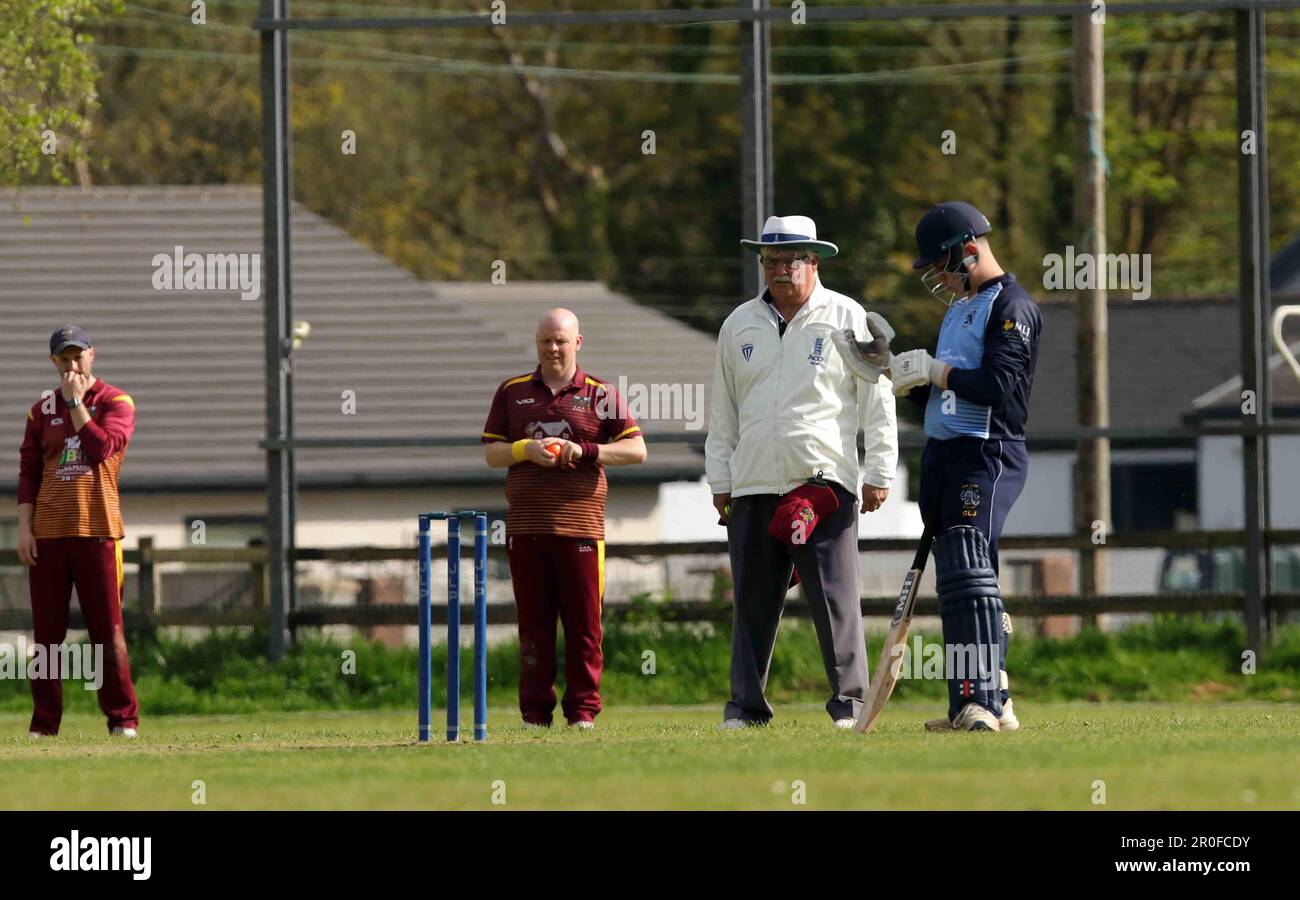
794	262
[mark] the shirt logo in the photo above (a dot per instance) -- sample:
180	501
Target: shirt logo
539	430
747	350
56	421
71	463
582	403
524	402
816	358
969	320
1009	325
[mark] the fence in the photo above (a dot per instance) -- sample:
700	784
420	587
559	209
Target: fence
147	607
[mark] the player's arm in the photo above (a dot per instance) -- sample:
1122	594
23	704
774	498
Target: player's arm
502	454
29	485
724	428
106	438
1006	355
627	451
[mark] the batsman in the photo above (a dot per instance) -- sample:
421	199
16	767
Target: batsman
974	390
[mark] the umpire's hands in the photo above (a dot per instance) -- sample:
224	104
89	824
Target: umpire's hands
873	497
722	503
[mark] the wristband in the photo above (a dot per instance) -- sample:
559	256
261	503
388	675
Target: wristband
517	450
73	403
590	452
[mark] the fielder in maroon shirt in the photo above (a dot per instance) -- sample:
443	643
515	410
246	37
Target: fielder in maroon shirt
557	429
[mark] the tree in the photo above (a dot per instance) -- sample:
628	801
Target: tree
47	84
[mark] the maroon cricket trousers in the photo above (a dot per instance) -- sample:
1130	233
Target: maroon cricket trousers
94	565
558	577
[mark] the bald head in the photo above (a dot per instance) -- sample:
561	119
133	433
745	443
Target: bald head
558	340
558	319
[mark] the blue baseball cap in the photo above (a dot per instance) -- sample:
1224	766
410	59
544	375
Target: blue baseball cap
69	336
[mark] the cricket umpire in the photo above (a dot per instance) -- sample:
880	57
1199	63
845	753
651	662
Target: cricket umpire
781	459
556	429
974	390
70	525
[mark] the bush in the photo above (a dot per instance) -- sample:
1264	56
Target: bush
652	662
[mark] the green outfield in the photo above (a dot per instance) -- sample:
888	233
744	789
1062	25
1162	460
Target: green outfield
1149	756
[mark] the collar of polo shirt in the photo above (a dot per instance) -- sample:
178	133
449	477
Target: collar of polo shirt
579	379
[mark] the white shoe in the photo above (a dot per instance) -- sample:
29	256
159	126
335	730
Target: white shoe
583	725
34	735
537	726
1008	720
974	717
732	724
119	731
845	724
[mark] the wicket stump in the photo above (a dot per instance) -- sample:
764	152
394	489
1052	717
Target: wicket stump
453	623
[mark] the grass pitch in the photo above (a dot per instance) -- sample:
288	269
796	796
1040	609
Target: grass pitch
1149	756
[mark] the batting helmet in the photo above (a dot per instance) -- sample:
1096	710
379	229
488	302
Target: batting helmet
944	226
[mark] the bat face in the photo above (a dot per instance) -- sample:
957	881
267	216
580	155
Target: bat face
886	671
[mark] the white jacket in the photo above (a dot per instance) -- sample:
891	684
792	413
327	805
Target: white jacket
784	407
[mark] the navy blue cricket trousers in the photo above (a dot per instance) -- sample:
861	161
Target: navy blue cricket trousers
972	481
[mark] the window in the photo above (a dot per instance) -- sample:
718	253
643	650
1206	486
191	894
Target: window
1151	496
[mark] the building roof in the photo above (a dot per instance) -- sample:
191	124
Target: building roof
1224	401
1160	359
423	359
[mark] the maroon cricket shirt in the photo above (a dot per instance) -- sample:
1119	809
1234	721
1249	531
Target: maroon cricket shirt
560	501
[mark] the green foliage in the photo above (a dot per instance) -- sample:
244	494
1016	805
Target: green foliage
48	85
1173	658
474	146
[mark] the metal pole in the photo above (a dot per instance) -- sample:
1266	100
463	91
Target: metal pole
480	626
424	619
276	197
756	135
1092	473
1252	225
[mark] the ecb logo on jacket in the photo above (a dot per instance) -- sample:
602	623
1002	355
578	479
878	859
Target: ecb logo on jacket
816	358
747	350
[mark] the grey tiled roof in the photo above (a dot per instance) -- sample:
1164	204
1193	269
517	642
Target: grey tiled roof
1164	355
422	359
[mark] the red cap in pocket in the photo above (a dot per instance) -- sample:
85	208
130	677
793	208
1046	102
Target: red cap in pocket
799	512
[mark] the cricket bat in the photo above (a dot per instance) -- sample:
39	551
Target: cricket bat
886	673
